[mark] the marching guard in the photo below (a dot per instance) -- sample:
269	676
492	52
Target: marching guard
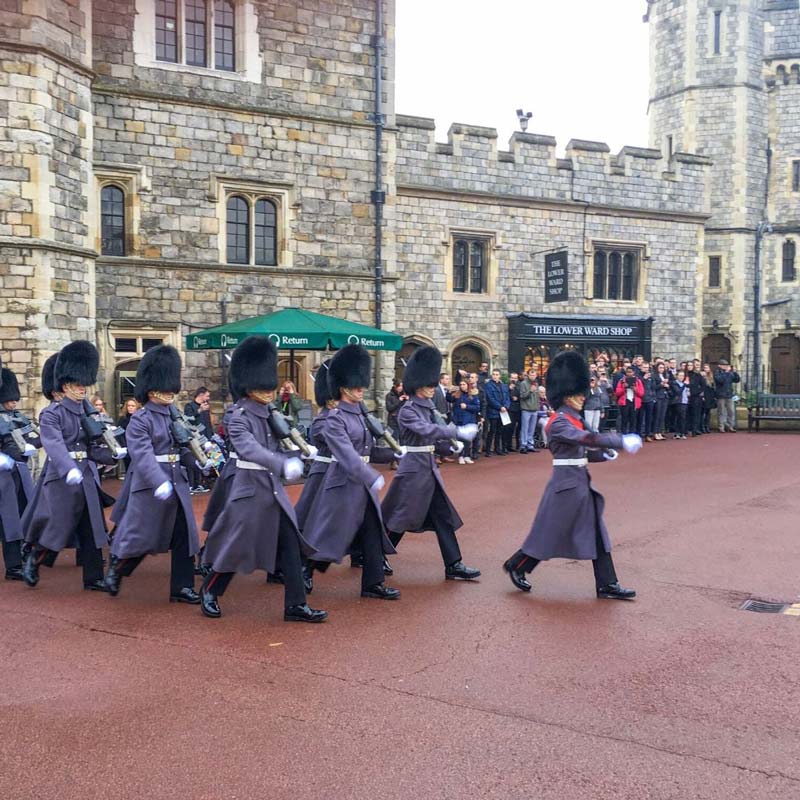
417	500
16	484
68	504
154	511
257	526
346	510
569	521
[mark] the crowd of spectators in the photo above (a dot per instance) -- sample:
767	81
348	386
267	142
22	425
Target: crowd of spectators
658	400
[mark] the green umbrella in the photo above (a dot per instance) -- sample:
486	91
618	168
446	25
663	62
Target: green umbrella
295	329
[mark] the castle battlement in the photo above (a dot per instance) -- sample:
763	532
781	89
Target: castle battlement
470	161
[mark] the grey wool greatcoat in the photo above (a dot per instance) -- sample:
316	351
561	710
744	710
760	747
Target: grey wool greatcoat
16	484
219	493
405	507
570	512
144	524
57	507
342	500
245	534
318	469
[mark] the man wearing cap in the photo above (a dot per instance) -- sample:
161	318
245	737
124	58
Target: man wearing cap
154	511
724	378
16	484
257	528
569	521
68	503
347	510
416	500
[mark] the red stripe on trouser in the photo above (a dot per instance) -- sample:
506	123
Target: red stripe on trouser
41	556
212	581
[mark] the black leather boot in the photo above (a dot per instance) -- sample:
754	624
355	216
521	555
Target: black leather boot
304	613
613	591
30	567
517	577
381	591
113	577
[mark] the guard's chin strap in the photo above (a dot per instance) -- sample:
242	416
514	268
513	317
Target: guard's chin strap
261	396
161	397
74	394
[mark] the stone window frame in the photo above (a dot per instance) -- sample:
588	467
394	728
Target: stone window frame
722	266
640	248
133	181
281	194
782	260
167	335
248	60
493	245
794	175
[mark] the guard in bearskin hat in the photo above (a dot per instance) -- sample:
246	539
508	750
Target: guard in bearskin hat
314	479
417	500
346	514
154	511
569	521
257	527
18	442
68	506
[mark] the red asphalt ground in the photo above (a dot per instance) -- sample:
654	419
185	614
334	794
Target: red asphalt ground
456	690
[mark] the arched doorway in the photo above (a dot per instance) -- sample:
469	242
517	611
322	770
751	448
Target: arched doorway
467	357
784	359
715	347
124	385
401	358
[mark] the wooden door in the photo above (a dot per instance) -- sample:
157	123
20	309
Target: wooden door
468	357
784	357
715	346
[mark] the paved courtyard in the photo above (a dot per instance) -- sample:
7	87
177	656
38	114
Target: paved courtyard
456	690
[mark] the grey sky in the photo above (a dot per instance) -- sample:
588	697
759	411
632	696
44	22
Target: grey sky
580	66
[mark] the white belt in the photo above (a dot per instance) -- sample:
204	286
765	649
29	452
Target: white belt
425	448
250	465
77	455
570	462
231	454
168	458
325	459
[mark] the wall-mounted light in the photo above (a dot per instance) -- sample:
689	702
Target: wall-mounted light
787	323
715	325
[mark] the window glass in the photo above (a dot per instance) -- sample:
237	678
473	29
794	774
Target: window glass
112	221
614	269
476	271
195	13
600	263
265	233
714	271
167	30
788	272
238	230
460	254
224	35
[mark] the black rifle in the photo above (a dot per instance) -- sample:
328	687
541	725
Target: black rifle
15	427
285	433
439	419
102	429
185	434
378	430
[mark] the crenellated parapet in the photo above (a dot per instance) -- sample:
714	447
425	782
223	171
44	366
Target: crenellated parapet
470	162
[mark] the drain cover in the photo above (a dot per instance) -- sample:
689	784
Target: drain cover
763	607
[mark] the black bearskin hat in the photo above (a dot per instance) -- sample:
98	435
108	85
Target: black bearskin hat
254	366
422	369
159	371
49	376
77	363
567	375
9	388
322	392
349	369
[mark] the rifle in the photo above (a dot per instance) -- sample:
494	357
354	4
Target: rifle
188	435
15	426
289	437
378	430
100	428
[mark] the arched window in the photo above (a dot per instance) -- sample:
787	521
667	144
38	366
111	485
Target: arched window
112	221
628	277
788	273
600	264
614	268
238	230
266	245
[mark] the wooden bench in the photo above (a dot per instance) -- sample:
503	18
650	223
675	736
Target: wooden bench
773	407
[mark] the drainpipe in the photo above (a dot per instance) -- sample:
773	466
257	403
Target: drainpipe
763	227
378	195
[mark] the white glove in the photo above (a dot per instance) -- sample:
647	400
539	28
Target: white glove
312	454
610	455
457	447
204	469
29	450
164	491
632	443
121	453
292	468
74	477
208	447
403	450
6	462
378	484
467	432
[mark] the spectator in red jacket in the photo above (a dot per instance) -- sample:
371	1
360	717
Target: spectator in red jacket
629	392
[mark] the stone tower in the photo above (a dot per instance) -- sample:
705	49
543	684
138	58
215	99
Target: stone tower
46	259
725	83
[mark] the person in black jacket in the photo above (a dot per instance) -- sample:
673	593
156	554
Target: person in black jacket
130	407
709	397
394	399
661	384
724	378
696	389
511	432
199	412
647	415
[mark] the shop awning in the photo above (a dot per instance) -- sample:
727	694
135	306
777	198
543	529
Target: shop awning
295	329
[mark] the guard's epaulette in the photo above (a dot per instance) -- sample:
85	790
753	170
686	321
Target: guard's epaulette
238	410
333	412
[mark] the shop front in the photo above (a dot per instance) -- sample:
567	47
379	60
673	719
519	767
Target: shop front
535	339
